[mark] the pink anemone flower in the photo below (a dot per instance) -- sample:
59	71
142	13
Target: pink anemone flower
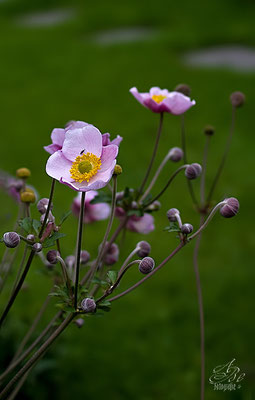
144	224
83	163
93	212
161	100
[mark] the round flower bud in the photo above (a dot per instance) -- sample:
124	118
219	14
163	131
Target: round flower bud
193	171
146	265
23	173
155	206
79	322
209	130
186	229
176	154
144	249
27	196
70	260
112	255
117	170
11	239
31	237
52	256
37	247
85	256
237	99
43	204
134	205
184	89
230	208
171	214
50	218
88	305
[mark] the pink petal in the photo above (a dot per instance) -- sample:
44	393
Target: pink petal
109	153
51	148
143	224
178	103
58	166
98	212
86	140
58	136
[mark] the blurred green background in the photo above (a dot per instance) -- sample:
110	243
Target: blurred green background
147	347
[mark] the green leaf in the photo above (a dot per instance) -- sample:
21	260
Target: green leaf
173	227
64	217
99	281
102	197
30	225
52	239
112	276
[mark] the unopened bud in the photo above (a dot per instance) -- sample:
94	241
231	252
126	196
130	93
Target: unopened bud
146	265
186	229
50	218
112	254
237	99
85	256
176	154
209	130
52	256
79	322
144	249
28	196
155	206
171	214
11	239
88	305
184	89
193	171
37	247
23	173
230	208
31	237
117	170
43	204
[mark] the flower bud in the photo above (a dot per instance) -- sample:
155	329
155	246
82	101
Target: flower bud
193	171
146	265
23	173
112	254
88	305
11	239
79	322
184	89
209	130
37	247
52	256
50	218
175	154
85	256
134	205
230	208
237	99
186	229
155	206
171	214
31	237
144	249
43	204
28	196
117	170
70	260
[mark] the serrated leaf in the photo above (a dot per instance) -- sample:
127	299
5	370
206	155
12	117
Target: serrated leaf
30	225
64	217
173	227
112	276
36	225
52	239
99	281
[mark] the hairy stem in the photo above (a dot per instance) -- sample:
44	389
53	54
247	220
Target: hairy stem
78	250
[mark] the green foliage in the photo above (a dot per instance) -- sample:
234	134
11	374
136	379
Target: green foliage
50	241
30	225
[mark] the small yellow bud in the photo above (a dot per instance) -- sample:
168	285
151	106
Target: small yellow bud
117	170
23	173
27	196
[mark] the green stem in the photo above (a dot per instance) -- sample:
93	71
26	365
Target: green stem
78	249
48	208
153	154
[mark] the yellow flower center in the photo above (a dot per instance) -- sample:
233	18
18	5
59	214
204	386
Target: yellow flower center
85	167
158	98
